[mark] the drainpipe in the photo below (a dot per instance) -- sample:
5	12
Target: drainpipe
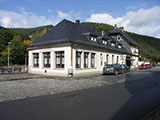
70	69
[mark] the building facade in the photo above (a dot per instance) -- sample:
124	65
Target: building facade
70	48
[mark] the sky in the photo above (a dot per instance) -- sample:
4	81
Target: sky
138	16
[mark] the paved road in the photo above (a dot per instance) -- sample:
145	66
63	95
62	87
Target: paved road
122	101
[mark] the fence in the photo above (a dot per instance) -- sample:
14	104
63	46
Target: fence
13	70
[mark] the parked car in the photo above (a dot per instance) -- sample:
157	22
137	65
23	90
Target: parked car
112	69
148	66
125	67
153	65
142	67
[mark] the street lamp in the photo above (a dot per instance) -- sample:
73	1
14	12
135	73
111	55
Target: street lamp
9	43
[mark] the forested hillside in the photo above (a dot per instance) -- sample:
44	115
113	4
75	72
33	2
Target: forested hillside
149	46
20	38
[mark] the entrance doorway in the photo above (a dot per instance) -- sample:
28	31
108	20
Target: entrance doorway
128	61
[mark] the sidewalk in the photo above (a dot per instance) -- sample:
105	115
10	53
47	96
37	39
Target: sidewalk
25	85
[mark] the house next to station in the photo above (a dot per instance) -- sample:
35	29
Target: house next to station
70	48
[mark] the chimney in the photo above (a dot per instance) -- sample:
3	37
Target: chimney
122	29
78	22
115	26
103	33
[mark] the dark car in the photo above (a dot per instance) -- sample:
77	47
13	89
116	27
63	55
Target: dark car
125	67
112	69
153	65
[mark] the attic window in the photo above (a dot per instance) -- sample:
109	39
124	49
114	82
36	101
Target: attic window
93	38
104	42
113	44
118	38
119	46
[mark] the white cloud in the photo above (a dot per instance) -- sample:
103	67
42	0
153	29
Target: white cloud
23	19
103	18
29	19
142	21
136	6
63	15
6	21
49	10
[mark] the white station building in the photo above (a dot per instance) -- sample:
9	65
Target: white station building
70	48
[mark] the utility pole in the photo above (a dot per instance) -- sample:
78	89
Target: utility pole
9	43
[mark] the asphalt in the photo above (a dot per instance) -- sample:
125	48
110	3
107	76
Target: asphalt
131	100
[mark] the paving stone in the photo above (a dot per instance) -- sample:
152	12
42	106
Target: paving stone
36	85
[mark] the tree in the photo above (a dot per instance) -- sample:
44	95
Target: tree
3	58
17	52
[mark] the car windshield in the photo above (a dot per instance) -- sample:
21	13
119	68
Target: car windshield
108	66
116	65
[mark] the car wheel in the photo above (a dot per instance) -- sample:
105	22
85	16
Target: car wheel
116	73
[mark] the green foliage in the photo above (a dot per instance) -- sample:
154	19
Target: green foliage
29	31
17	36
3	60
5	37
99	27
17	52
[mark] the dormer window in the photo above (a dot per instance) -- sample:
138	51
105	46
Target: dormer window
104	42
93	38
113	44
119	46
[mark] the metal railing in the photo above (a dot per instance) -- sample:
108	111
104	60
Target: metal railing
13	70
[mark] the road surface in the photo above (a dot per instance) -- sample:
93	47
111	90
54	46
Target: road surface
122	101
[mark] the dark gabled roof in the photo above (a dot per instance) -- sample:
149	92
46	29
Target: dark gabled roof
106	37
67	31
114	40
117	31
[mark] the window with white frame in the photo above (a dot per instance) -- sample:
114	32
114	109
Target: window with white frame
35	59
107	58
112	59
59	59
101	59
117	59
78	59
46	59
86	59
93	60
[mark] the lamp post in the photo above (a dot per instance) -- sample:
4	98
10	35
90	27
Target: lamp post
9	43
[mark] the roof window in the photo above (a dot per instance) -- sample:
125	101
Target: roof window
93	38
